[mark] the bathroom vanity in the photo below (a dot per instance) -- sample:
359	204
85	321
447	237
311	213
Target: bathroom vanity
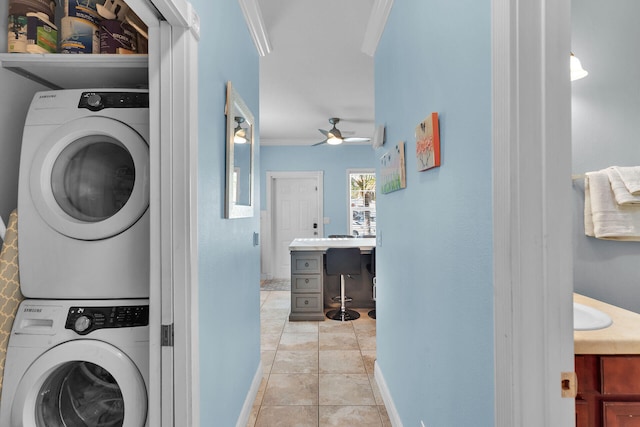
607	364
312	289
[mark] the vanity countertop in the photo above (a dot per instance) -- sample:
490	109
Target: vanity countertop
318	244
622	337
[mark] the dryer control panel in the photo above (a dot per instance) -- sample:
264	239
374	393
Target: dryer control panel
84	320
96	101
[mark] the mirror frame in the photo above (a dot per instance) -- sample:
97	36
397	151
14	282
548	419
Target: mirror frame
236	107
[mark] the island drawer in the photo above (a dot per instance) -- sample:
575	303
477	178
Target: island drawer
306	302
303	263
309	283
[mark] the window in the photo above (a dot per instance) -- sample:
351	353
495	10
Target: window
362	203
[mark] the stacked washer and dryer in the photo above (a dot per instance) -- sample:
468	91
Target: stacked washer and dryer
78	354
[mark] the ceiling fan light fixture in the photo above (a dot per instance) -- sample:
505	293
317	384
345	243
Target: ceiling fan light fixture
334	140
239	134
334	136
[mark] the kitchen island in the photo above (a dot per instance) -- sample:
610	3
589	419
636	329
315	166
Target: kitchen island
312	289
607	364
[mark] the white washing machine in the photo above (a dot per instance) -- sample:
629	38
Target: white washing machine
83	195
77	363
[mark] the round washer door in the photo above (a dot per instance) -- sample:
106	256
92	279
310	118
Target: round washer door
90	178
81	383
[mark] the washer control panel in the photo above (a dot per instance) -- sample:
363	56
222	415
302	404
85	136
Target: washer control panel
84	320
96	101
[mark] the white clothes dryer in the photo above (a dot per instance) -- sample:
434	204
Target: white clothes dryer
83	195
77	363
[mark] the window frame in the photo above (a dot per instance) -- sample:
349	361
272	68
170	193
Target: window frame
350	208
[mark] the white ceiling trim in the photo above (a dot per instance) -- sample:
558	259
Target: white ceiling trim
253	16
375	26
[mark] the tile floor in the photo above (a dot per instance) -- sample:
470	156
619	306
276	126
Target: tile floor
316	374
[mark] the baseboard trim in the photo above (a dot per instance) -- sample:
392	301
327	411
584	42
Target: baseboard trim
394	417
243	419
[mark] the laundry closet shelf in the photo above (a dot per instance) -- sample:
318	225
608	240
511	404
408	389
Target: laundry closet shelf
77	71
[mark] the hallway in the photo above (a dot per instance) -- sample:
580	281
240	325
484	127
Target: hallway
316	374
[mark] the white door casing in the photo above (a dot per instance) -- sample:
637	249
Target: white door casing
294	210
531	212
173	102
178	177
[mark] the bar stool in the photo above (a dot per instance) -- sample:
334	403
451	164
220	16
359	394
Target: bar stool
345	262
371	267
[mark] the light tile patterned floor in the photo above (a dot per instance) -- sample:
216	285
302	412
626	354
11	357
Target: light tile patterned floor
316	374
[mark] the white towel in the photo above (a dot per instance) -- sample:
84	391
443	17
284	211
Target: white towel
631	177
588	215
603	217
620	190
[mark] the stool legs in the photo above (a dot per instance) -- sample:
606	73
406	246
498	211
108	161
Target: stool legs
372	313
343	314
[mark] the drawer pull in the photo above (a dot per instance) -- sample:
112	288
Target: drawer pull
306	264
306	302
306	280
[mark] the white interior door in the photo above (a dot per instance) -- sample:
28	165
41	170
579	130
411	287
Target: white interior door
295	213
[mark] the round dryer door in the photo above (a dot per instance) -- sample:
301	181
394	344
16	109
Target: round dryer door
90	178
80	384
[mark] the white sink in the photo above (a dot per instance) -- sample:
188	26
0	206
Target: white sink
586	318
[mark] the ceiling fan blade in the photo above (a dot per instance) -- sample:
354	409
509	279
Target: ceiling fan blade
324	132
319	143
355	139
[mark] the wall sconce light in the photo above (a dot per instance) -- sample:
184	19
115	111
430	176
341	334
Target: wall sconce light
239	134
577	72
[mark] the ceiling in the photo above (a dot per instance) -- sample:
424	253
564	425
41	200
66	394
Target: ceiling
316	70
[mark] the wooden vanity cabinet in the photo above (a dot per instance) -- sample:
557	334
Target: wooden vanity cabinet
307	301
608	390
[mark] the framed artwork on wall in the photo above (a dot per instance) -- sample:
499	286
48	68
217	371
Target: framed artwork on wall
393	175
428	143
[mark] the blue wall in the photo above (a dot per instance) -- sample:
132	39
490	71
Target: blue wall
606	132
229	263
435	278
333	160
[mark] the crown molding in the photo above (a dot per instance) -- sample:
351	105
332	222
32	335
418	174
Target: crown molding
377	22
253	17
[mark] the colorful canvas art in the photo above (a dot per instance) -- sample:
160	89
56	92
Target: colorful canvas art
428	143
393	175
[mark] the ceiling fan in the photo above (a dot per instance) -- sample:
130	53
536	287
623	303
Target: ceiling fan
334	136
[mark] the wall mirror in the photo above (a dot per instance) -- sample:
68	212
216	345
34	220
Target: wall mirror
240	146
